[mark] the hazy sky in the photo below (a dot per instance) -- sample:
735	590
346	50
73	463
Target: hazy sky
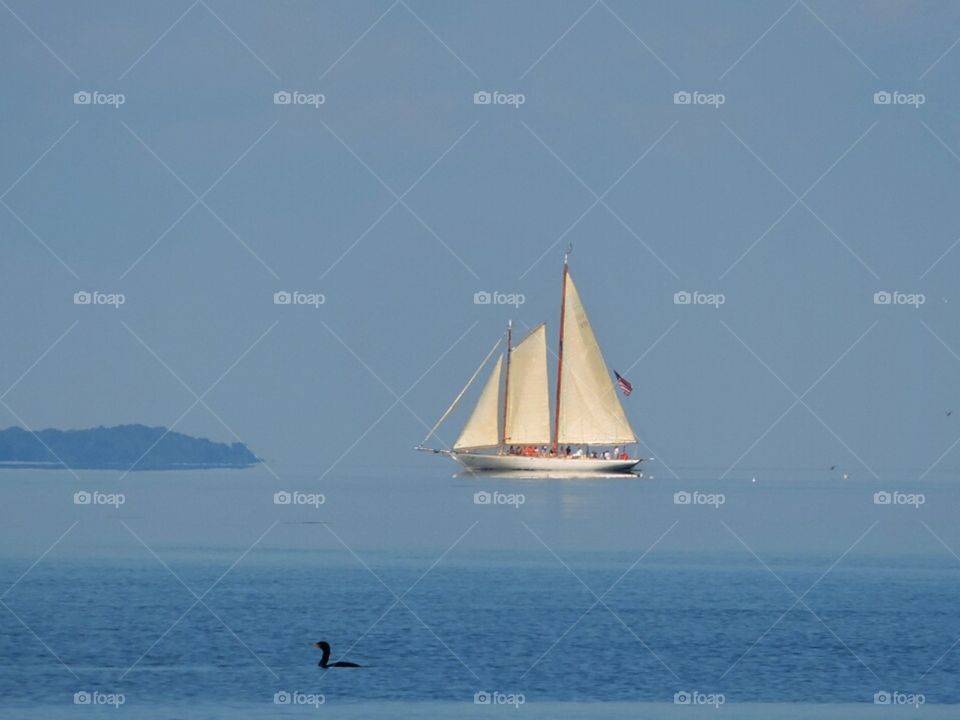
398	198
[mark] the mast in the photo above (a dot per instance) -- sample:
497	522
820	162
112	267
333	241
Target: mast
563	305
506	386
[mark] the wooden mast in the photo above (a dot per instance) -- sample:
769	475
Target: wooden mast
563	305
506	387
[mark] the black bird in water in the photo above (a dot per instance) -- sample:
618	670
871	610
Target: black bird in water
325	660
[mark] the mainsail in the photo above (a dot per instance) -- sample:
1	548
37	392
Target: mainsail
482	429
589	410
528	395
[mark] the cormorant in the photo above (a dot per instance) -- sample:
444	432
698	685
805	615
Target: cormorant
325	660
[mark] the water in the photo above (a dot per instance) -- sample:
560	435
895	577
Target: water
197	595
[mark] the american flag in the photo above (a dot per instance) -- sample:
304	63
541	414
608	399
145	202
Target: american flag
624	384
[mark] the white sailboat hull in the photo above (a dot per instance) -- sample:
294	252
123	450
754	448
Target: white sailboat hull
563	465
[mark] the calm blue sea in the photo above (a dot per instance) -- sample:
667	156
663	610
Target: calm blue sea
199	596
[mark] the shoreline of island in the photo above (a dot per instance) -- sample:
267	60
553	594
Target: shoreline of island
132	447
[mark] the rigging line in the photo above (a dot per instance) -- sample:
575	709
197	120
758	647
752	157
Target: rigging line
465	388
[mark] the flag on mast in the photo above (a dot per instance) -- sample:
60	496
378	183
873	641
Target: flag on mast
623	384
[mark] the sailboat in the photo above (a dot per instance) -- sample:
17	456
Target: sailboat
509	429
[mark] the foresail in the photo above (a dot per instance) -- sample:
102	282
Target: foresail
482	429
528	394
590	411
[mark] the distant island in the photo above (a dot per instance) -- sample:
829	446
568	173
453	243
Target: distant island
123	447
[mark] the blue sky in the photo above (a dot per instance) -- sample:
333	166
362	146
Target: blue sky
398	198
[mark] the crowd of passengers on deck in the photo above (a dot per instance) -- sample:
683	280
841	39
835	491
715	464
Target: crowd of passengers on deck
567	452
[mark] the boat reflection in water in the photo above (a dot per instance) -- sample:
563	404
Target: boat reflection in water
546	475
